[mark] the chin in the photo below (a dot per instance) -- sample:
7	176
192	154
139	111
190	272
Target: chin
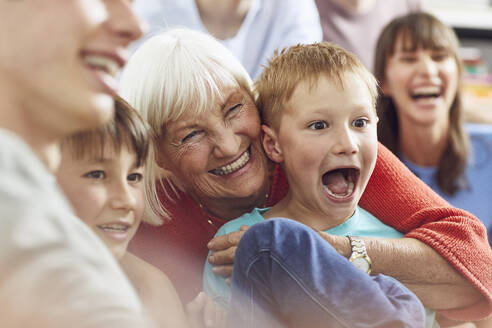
95	113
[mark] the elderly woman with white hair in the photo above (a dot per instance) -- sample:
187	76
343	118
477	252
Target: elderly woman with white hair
209	168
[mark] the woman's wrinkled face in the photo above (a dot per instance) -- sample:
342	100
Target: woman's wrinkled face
217	154
61	58
422	83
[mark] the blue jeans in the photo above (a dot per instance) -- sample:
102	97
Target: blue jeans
286	275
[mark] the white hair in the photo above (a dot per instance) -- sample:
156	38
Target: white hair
174	72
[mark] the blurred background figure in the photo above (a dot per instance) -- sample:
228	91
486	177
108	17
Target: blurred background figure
422	116
251	29
355	24
54	271
421	113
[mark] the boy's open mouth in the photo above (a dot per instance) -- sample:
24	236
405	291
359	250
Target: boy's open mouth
340	183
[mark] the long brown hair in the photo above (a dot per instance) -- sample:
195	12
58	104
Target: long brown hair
426	31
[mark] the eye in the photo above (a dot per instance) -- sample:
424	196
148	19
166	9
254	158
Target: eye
408	59
232	110
440	56
318	125
360	123
97	175
190	136
135	177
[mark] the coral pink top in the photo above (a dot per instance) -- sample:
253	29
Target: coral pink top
393	194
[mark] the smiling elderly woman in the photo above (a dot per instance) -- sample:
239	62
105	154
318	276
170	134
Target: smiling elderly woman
209	168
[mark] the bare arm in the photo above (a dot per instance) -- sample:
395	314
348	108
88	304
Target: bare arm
438	285
399	199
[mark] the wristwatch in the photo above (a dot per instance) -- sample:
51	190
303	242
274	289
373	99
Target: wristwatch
359	257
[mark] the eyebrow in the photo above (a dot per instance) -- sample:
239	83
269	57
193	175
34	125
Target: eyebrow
233	93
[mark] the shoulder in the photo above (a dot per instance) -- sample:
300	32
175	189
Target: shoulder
481	144
156	291
482	130
144	275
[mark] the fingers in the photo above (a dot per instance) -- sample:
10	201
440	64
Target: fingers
225	257
231	239
214	315
203	312
244	228
223	270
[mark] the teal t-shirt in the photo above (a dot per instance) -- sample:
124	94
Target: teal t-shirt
361	223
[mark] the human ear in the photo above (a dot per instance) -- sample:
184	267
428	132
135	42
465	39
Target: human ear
270	144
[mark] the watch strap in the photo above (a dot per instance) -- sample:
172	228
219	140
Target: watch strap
359	250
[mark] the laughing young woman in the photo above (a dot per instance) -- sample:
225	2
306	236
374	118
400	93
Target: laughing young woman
421	114
210	168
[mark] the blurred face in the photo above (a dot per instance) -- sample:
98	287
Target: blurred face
60	58
422	84
217	155
328	145
106	193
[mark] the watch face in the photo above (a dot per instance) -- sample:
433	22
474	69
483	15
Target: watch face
361	263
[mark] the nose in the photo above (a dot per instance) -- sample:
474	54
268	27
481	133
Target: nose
123	21
226	143
427	66
122	197
344	143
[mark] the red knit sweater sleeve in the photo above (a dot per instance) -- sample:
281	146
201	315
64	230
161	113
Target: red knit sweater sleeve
399	199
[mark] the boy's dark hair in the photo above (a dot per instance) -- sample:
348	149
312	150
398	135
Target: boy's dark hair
126	128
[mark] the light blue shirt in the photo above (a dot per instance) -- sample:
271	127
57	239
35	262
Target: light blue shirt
475	198
361	223
268	25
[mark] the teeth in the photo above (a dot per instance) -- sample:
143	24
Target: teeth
113	227
105	63
350	189
232	167
426	91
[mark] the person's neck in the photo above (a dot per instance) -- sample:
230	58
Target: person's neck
231	208
223	18
423	145
356	6
293	209
15	118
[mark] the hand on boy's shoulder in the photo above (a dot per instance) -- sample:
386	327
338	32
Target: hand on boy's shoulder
156	291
